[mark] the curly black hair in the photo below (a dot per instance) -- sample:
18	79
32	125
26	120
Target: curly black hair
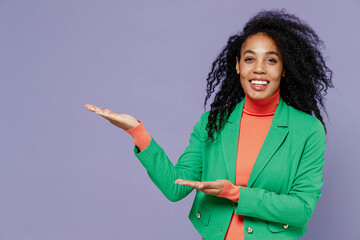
307	76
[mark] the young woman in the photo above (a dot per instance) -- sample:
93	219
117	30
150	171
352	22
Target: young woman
256	157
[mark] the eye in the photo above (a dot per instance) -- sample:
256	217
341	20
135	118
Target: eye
248	59
272	60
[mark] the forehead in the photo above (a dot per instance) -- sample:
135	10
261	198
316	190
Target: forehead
258	43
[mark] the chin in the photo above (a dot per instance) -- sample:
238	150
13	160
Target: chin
258	95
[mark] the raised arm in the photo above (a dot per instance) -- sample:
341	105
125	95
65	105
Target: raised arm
160	169
123	121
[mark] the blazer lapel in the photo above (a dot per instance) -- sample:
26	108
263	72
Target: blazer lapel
229	137
274	139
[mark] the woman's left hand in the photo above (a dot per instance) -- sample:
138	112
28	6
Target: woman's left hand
212	188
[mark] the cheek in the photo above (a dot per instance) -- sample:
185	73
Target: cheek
243	81
244	72
276	76
279	72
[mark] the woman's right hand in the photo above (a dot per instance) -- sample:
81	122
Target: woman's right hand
123	121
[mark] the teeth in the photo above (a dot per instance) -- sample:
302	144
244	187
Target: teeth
259	82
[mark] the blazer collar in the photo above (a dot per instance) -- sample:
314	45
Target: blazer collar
274	139
280	118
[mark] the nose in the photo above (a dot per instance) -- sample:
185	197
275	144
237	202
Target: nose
259	67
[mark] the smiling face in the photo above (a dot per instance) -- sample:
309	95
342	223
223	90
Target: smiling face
260	66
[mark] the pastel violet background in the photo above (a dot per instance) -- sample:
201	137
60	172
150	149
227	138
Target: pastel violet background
68	174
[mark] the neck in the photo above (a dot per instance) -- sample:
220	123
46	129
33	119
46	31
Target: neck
262	107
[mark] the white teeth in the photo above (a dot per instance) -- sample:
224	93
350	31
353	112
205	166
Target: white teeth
259	82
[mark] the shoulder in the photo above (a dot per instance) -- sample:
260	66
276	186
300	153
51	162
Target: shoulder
304	124
204	118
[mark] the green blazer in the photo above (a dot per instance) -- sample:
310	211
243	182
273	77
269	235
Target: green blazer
284	184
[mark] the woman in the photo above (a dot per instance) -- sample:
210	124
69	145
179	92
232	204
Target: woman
256	157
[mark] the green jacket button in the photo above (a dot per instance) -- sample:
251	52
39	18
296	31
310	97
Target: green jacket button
250	230
285	226
198	215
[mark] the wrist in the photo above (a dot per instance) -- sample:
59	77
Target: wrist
140	136
230	191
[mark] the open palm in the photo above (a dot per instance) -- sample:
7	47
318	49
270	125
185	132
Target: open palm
123	121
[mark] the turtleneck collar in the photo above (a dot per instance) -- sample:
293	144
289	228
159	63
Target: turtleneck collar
262	107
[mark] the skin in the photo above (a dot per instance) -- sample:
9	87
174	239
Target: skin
123	121
126	122
259	58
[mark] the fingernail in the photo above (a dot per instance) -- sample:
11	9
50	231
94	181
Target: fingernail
201	186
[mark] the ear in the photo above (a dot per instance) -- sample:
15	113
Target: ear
283	73
237	66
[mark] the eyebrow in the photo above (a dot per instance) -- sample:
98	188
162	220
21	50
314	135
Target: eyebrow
271	52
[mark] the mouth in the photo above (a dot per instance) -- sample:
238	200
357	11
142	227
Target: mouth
258	84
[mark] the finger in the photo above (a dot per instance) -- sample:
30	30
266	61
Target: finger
92	108
211	188
197	185
108	111
189	184
178	180
107	115
192	184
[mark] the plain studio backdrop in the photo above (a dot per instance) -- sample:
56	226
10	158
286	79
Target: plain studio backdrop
66	173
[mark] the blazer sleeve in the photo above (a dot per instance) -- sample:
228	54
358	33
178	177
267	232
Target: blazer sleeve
163	172
296	207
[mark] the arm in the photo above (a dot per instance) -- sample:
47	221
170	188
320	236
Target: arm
296	207
162	171
140	136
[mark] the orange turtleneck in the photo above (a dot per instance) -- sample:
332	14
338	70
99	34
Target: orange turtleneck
140	136
254	126
255	123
